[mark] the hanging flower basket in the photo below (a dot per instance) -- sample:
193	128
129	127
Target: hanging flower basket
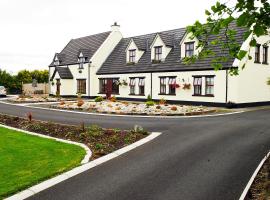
175	85
186	86
124	83
52	83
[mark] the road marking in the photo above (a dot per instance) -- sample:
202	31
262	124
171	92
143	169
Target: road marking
244	194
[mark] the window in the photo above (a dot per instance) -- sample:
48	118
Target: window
56	62
257	53
265	54
197	85
115	86
189	49
209	86
102	85
141	86
132	55
81	62
172	85
163	85
158	53
132	85
81	86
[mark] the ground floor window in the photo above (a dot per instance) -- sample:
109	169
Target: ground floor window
115	86
172	85
141	86
132	84
209	85
197	84
81	86
163	85
102	85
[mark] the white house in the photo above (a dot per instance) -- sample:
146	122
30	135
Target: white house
135	67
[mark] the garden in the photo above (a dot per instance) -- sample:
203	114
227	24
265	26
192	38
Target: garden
28	159
150	107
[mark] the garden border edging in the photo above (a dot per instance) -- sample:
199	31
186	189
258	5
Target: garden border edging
244	194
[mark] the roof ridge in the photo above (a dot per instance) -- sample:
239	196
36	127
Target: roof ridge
91	35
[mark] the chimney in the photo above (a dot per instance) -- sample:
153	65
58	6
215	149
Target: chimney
115	27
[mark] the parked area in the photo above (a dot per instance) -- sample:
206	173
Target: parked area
260	188
27	160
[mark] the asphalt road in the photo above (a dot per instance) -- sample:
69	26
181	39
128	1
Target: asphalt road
195	158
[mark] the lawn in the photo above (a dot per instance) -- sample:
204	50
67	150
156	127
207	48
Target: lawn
26	160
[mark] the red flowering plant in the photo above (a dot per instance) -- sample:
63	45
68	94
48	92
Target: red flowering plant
176	85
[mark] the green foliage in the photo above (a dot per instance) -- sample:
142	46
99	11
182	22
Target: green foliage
245	14
150	103
149	98
14	82
99	99
95	130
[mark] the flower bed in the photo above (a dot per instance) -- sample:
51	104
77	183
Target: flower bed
34	99
129	108
100	141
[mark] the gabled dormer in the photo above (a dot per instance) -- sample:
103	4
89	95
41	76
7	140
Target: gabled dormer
83	56
56	60
161	47
188	46
134	50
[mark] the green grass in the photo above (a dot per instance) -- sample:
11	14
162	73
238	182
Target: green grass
26	160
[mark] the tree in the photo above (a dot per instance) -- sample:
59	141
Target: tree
250	14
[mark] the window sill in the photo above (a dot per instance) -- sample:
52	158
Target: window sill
207	95
111	93
136	94
167	94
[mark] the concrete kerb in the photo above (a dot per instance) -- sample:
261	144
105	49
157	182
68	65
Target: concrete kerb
244	194
62	177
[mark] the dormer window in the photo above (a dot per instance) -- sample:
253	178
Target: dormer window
81	60
189	49
158	53
132	56
56	61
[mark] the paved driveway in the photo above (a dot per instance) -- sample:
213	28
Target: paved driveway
194	158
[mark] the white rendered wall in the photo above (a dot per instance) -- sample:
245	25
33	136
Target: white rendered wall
165	50
138	53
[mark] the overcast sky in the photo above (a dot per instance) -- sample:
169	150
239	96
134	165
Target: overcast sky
33	30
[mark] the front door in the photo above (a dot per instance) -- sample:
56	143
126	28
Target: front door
58	84
109	88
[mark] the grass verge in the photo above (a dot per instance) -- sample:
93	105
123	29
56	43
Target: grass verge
27	160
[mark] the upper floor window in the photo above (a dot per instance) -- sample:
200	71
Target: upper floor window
163	85
197	84
257	53
189	49
172	85
81	86
158	53
141	86
132	85
209	85
132	55
265	54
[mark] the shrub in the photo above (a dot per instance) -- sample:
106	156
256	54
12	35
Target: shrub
95	130
150	103
149	98
62	103
112	99
162	101
99	146
174	108
80	103
99	99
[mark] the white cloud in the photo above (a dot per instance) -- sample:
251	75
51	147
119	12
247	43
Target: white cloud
32	31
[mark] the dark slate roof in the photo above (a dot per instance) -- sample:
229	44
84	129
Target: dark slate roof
116	62
64	73
88	45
